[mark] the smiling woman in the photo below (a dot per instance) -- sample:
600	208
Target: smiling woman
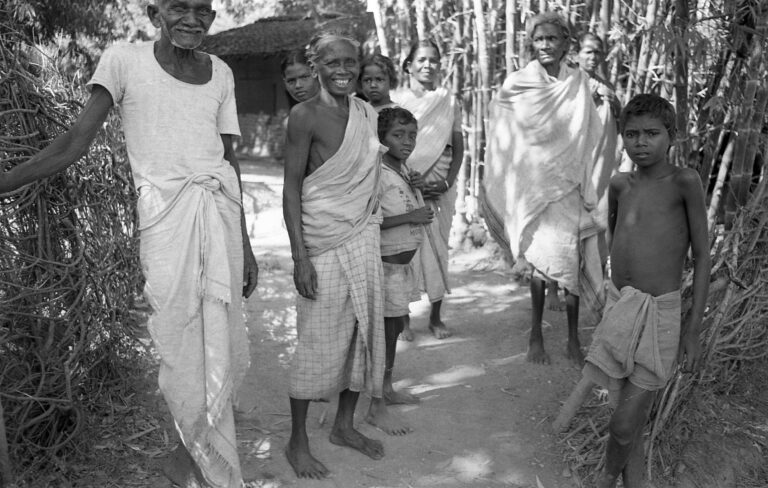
336	62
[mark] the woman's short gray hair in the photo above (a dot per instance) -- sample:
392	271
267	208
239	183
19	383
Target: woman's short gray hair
321	41
552	18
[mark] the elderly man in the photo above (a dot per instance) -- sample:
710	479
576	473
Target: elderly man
178	113
538	195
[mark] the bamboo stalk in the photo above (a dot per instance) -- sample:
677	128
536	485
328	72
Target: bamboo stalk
510	11
572	404
375	7
740	149
741	190
6	473
421	19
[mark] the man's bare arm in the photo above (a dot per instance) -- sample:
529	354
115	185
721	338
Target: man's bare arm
695	208
613	208
297	147
65	149
250	267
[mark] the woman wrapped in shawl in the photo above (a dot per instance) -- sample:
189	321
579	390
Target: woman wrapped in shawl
437	156
537	194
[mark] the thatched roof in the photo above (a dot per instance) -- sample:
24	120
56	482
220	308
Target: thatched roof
278	35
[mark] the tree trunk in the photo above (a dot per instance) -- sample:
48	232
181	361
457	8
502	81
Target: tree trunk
421	19
375	8
743	122
6	474
605	20
511	21
404	27
645	47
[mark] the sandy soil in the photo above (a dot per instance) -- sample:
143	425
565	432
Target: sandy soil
485	412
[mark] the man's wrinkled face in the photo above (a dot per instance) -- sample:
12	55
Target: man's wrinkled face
183	22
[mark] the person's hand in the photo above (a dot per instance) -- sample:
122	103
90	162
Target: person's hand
690	352
250	272
305	278
607	94
422	215
433	190
417	180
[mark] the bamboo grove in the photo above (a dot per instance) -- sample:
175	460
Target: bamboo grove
706	56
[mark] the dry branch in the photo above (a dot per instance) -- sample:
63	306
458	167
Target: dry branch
68	265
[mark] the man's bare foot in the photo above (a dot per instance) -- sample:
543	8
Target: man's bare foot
554	303
393	397
181	469
574	354
380	416
351	438
406	334
537	354
304	464
439	330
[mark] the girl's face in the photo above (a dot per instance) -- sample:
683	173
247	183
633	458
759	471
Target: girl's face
400	139
374	83
300	83
425	66
590	55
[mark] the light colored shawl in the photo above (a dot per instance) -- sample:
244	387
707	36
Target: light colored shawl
434	112
331	208
192	258
542	138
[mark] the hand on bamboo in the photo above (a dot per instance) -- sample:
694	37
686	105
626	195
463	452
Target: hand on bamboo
690	351
422	215
305	278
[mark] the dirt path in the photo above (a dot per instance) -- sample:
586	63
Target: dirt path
485	413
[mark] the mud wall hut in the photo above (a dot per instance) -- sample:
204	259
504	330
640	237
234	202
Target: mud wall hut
254	52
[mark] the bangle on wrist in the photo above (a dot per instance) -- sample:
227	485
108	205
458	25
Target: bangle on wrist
447	186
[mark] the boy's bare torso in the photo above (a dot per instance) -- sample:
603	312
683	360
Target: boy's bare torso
650	233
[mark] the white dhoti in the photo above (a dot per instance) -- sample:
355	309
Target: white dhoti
192	259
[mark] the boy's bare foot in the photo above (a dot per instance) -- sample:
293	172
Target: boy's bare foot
393	397
379	416
351	438
406	334
537	354
574	354
181	469
304	464
439	330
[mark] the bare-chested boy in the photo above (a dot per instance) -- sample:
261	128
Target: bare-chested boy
330	204
656	214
